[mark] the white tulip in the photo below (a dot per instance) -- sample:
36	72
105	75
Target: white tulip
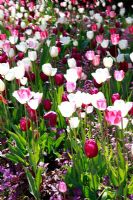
74	122
19	72
1	14
120	58
71	63
101	75
22	46
108	62
123	44
13	39
90	35
48	70
54	51
71	75
10	76
131	56
32	55
65	40
105	43
4	68
66	108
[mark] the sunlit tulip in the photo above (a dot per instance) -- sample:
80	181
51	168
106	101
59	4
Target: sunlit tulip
74	122
101	75
66	108
48	70
108	62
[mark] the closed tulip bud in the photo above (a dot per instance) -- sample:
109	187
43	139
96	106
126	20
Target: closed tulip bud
24	124
59	79
43	76
108	62
115	97
91	148
90	35
47	104
54	51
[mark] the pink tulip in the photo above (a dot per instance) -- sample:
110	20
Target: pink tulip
23	95
101	104
96	60
115	97
115	39
113	117
70	86
99	38
119	75
90	55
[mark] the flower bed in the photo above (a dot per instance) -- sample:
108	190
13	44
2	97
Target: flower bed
66	102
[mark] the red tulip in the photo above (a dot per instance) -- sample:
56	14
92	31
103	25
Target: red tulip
91	148
47	104
24	124
115	97
59	79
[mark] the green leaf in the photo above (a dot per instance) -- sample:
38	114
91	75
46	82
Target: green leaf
16	159
38	177
32	185
17	151
17	140
59	140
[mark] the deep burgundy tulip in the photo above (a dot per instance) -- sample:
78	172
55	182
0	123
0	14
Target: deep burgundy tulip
131	111
30	76
64	97
47	104
43	77
51	117
91	148
96	84
3	58
24	124
115	97
123	66
32	113
59	79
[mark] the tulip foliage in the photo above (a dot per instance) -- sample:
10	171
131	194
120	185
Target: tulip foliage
66	101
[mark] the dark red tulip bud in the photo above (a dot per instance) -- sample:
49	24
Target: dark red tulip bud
59	79
47	104
24	124
123	66
43	77
91	148
115	97
64	97
97	85
51	117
